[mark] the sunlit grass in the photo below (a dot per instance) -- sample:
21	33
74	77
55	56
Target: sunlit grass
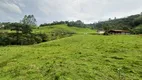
47	29
80	57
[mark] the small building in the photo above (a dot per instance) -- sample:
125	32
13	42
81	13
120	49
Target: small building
118	32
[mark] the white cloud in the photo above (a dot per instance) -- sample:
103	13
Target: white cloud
9	7
86	10
73	9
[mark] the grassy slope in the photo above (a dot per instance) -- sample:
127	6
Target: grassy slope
65	27
80	57
47	29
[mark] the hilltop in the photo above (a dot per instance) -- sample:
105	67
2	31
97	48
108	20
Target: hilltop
46	29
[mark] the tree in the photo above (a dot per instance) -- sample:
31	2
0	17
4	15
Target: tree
24	28
17	27
137	30
29	20
0	25
138	21
77	23
6	25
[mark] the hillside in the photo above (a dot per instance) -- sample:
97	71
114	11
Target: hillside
46	29
77	30
70	39
126	23
84	57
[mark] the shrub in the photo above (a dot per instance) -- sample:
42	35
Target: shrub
60	33
137	30
38	39
44	37
21	39
30	38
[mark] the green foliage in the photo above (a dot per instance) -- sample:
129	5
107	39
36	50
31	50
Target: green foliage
54	23
29	20
7	25
44	37
39	39
77	23
137	30
80	57
23	39
23	35
24	28
64	27
138	21
127	23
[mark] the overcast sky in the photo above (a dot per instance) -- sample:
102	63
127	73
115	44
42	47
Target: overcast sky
55	10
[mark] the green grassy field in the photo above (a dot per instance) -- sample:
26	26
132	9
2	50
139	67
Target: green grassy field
47	29
80	57
65	27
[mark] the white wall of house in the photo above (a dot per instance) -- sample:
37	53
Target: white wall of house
100	32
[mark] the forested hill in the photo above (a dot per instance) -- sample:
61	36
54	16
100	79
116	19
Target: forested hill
132	23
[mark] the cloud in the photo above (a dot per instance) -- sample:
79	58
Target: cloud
6	6
72	10
9	11
56	10
122	8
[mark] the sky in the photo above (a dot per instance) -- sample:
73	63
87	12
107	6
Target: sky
89	11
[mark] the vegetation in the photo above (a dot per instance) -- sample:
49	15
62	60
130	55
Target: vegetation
137	30
54	23
29	20
23	33
25	37
73	29
77	23
21	39
78	57
82	56
128	23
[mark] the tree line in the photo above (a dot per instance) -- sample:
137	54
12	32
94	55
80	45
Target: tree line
77	23
131	23
27	20
23	35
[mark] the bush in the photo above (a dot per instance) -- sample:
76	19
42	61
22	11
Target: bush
21	39
29	39
44	37
38	39
137	30
106	33
60	33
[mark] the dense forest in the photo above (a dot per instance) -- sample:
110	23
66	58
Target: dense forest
132	23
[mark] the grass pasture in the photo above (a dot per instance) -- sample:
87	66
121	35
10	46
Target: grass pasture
80	57
47	29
